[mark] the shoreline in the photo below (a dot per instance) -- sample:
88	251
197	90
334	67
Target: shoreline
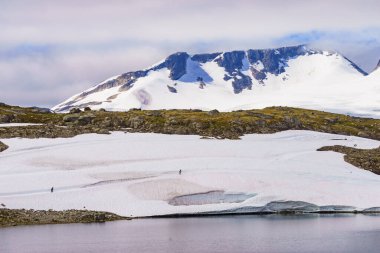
281	213
24	217
42	217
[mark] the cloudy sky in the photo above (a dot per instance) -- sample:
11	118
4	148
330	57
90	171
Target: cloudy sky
50	50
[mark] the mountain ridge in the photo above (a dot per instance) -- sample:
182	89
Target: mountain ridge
234	72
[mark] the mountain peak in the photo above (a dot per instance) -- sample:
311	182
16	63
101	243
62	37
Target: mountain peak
176	63
206	80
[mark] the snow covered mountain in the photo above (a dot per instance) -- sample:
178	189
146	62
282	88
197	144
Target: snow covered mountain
295	76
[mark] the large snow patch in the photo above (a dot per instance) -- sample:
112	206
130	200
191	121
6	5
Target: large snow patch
137	174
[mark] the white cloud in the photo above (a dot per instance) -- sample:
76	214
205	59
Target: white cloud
47	79
79	43
176	20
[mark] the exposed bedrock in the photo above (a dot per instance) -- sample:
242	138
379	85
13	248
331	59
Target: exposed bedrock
3	147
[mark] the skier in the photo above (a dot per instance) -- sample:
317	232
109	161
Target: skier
180	172
52	189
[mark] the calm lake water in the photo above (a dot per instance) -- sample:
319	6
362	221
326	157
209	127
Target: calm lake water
306	233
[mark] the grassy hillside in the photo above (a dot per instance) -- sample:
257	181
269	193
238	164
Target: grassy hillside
214	124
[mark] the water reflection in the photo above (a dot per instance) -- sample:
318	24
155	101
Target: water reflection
268	233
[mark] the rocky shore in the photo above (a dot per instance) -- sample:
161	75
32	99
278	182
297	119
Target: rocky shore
17	217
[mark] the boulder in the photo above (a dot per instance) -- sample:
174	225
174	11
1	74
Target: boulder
172	89
136	122
71	118
292	121
107	122
213	112
40	110
3	147
85	119
75	110
7	118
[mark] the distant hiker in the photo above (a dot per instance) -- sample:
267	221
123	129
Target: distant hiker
52	189
180	172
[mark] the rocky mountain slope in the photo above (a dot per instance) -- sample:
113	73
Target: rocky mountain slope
230	125
295	76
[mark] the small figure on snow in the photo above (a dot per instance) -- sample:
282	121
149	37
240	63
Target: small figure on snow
180	172
52	189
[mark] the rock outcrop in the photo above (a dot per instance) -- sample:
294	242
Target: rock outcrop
3	147
368	159
16	217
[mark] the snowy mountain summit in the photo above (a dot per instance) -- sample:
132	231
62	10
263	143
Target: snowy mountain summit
296	76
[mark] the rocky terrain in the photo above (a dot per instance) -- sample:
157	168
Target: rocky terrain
3	146
207	124
16	217
368	159
213	123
